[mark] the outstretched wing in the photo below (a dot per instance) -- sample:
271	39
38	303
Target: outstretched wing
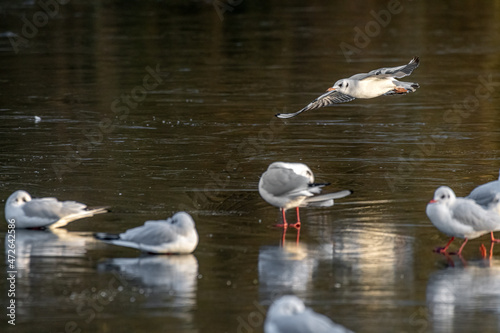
399	71
327	99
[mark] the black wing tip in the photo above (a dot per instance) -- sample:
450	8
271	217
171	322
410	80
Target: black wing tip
100	209
319	184
416	60
106	236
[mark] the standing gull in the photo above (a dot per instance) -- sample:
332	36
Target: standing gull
373	84
460	217
291	185
176	234
288	314
488	196
45	212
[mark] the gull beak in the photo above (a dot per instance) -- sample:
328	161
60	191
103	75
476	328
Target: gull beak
432	201
331	89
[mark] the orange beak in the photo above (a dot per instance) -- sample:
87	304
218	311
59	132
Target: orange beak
432	201
331	89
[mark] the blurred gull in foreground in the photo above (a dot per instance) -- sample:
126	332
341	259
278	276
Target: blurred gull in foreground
291	185
375	83
45	212
177	234
460	217
288	314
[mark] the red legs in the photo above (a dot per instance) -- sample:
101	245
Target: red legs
493	239
482	250
443	249
399	90
459	253
296	225
491	249
285	225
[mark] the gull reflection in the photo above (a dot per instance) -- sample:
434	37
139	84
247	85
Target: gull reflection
44	246
457	296
171	280
40	257
285	269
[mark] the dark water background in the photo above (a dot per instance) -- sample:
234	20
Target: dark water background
152	107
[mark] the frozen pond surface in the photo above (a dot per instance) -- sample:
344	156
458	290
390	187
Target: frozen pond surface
154	107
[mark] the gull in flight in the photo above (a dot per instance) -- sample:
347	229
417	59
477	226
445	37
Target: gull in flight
373	84
45	212
460	217
291	185
176	234
288	314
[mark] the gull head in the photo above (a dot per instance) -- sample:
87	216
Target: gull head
299	168
183	221
340	85
18	198
443	195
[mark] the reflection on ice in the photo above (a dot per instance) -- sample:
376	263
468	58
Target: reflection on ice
46	245
285	269
377	257
457	296
171	280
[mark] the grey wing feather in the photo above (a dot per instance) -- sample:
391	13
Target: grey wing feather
151	233
279	182
485	194
398	72
469	213
327	99
48	208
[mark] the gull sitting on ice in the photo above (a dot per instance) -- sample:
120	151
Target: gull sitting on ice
291	185
176	234
460	217
373	84
45	212
288	314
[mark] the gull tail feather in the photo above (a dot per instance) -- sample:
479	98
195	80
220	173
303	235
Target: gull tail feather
98	210
328	196
326	200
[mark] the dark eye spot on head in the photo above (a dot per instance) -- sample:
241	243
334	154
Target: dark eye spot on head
24	199
340	85
347	85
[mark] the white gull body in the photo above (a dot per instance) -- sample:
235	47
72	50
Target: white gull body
177	234
288	314
378	82
44	212
291	185
460	217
